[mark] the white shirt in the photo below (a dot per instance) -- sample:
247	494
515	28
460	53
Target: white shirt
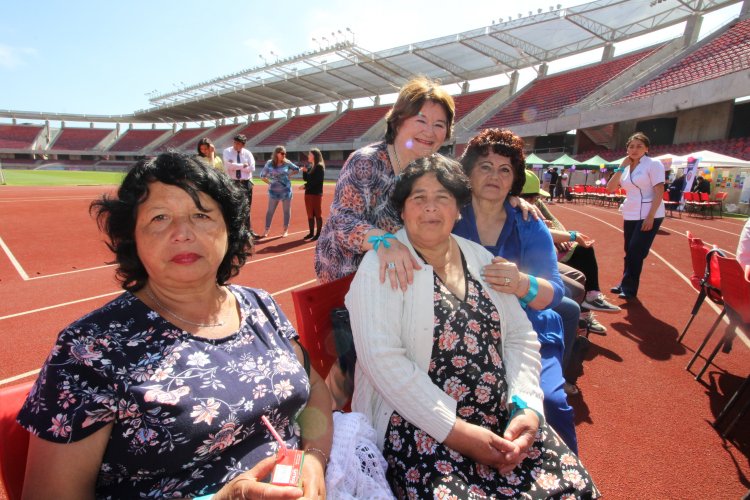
393	336
640	189
246	165
743	248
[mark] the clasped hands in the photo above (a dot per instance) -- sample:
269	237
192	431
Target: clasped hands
503	453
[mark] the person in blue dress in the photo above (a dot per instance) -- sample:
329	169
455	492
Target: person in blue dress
526	260
277	173
160	392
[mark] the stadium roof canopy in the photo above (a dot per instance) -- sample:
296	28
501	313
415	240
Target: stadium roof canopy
342	71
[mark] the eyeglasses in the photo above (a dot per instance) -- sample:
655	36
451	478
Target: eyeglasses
282	153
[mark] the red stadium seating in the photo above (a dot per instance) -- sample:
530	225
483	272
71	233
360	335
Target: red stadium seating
137	139
466	103
18	136
728	53
181	137
351	124
256	128
547	97
292	129
79	139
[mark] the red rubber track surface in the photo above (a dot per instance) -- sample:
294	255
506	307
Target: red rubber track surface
644	423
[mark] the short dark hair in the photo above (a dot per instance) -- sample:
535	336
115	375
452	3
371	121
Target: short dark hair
447	171
501	142
116	216
410	100
205	141
240	138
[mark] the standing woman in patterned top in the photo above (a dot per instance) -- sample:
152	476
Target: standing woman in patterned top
362	217
643	209
277	174
313	173
160	392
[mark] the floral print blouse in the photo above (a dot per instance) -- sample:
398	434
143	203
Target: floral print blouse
361	202
280	187
185	410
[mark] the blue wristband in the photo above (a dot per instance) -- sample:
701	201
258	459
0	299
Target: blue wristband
377	240
619	169
573	235
532	293
204	497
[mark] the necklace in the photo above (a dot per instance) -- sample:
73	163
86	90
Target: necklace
398	161
175	315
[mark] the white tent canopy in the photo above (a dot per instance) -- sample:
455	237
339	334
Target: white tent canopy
709	159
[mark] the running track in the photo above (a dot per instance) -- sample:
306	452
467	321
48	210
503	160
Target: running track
643	421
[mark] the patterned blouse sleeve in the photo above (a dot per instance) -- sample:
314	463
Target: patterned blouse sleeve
74	395
354	195
275	315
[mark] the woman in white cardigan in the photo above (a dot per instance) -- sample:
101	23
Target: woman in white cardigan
448	370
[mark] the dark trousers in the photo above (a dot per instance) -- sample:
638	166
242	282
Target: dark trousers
637	245
247	186
584	259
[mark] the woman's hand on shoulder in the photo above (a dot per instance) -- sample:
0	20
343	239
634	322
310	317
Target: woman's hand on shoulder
249	485
525	207
521	431
503	276
398	263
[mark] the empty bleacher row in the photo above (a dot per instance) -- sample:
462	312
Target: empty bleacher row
727	53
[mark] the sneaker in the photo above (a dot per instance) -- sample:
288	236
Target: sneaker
589	323
599	304
616	289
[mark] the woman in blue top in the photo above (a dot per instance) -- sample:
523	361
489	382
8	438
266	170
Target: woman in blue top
526	262
277	174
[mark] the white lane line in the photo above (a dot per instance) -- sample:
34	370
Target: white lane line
26	277
34	372
13	260
32	311
19	376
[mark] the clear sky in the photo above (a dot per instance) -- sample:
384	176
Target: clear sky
97	57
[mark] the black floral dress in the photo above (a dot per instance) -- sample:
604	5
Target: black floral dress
467	363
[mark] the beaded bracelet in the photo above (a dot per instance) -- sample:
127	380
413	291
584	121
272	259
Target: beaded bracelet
573	235
318	451
377	240
532	293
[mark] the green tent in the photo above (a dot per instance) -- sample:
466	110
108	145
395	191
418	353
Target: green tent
596	162
564	161
533	159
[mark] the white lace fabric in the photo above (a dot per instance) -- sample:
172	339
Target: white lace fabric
356	468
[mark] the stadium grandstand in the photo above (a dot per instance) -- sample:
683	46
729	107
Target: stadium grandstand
687	93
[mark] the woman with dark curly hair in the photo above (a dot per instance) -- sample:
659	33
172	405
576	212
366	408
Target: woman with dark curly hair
160	392
526	261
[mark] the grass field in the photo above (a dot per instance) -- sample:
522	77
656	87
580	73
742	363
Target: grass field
59	178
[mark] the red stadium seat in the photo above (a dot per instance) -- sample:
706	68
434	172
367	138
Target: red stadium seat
312	307
14	440
706	277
